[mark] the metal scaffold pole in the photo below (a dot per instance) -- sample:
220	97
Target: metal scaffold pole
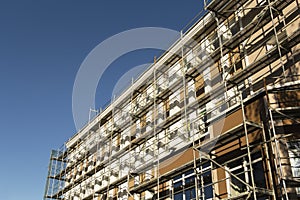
276	149
266	150
131	115
112	127
154	129
54	174
195	165
248	147
277	156
278	45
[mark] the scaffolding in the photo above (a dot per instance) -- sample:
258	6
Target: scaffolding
215	117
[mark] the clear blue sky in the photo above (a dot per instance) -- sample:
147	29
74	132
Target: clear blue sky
42	45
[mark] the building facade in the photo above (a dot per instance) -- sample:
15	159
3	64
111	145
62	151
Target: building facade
215	117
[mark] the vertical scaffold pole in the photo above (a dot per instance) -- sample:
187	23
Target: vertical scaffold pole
248	147
154	128
276	37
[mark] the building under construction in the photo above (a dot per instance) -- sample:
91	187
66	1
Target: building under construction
217	116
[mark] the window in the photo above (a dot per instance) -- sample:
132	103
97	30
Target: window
236	186
199	85
167	108
178	196
294	155
241	168
205	177
184	185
